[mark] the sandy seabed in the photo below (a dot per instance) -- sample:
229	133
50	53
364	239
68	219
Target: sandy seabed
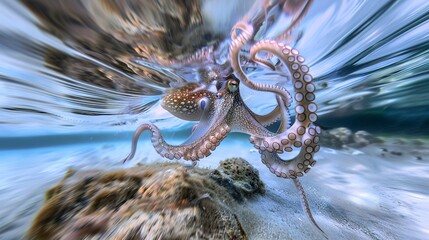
380	191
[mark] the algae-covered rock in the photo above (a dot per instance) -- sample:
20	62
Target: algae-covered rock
159	201
239	177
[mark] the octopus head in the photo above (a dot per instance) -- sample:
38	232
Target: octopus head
188	102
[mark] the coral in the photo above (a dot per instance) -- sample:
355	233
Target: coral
158	201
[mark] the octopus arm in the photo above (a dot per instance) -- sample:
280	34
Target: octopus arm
238	41
305	110
211	130
306	206
191	151
293	169
271	117
268	119
284	115
292	7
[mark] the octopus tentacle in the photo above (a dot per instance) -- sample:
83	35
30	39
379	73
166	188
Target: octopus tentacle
285	116
289	169
238	41
304	96
265	62
191	151
306	206
245	28
268	119
303	134
295	167
273	116
292	6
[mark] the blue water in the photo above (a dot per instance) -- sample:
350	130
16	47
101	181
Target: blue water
77	77
366	56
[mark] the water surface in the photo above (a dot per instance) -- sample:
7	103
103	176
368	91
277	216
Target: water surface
77	77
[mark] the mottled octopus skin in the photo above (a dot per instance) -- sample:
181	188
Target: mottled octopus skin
186	102
225	111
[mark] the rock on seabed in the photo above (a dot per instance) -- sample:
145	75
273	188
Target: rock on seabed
157	201
343	137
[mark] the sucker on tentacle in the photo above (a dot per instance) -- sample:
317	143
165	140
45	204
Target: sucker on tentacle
304	96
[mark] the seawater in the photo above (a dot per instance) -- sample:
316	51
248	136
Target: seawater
76	80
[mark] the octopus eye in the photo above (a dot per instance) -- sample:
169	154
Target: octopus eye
232	85
203	104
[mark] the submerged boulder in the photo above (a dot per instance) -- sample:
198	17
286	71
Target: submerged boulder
341	137
344	135
337	137
239	177
363	138
158	201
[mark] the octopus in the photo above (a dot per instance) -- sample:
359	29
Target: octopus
223	111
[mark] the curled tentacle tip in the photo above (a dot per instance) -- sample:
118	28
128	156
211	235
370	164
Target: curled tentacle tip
126	159
325	236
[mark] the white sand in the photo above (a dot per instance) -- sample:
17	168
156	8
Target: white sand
353	193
